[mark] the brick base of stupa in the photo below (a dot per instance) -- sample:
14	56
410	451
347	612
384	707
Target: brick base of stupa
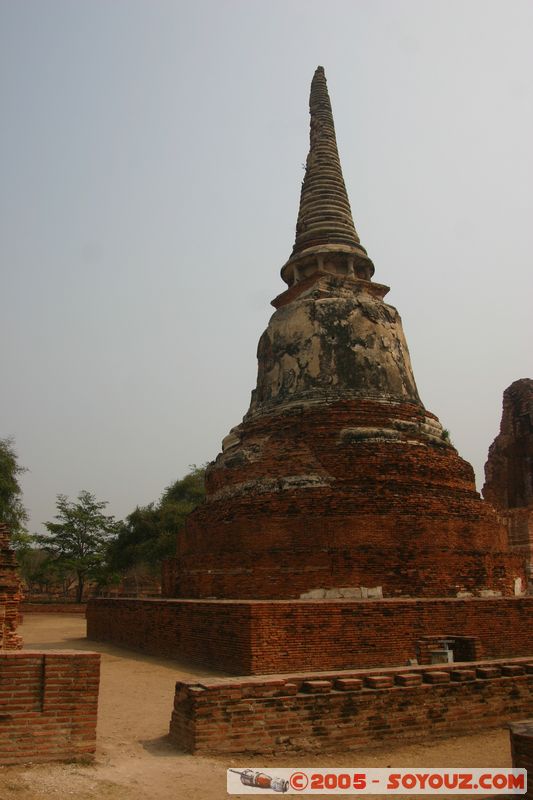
338	495
251	637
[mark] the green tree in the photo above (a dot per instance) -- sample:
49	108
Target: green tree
148	534
11	509
78	542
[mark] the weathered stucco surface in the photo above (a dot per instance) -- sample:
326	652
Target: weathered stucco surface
335	341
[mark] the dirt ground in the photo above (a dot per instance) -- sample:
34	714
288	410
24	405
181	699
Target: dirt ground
135	759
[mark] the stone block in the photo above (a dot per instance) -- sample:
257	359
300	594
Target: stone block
289	689
409	679
351	591
348	684
485	673
314	594
513	669
316	687
462	675
436	676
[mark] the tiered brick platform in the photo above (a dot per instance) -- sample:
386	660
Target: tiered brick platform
348	710
339	495
255	637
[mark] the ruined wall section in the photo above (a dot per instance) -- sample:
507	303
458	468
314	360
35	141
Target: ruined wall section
48	706
308	713
10	593
509	467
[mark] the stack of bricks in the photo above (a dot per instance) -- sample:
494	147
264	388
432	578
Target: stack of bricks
522	750
48	706
10	593
349	710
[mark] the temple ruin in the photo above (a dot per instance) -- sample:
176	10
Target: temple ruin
338	477
10	593
342	535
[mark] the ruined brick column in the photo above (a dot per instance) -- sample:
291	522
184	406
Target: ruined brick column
338	478
509	469
522	750
10	593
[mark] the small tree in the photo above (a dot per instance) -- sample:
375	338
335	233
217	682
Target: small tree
148	534
11	509
78	541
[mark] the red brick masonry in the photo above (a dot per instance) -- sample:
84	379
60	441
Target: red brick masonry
53	608
48	705
262	636
10	593
348	710
522	750
323	497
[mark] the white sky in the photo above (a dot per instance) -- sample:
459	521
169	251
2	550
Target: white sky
151	158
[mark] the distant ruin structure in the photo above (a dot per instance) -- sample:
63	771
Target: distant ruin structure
341	534
509	469
10	593
48	700
338	478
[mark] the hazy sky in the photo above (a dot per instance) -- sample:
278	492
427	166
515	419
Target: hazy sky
151	158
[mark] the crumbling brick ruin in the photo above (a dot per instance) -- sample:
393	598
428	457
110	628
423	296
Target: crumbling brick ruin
509	469
522	750
48	705
341	529
10	593
48	700
349	711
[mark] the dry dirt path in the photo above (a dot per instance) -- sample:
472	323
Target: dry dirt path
135	761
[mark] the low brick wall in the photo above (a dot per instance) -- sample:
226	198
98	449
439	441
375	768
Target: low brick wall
250	637
348	710
53	608
48	705
216	634
522	750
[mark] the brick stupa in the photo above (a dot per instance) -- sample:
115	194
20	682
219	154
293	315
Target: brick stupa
10	593
338	477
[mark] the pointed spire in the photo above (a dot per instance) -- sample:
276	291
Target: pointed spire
325	222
